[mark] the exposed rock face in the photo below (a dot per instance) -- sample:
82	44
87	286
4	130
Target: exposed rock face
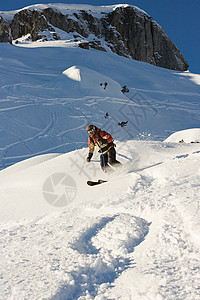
27	21
4	31
125	30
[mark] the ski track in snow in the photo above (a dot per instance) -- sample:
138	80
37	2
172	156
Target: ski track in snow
94	264
50	127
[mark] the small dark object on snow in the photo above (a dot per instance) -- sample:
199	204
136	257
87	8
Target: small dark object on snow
105	85
124	89
122	124
106	115
91	183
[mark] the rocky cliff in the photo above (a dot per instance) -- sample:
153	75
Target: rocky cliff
124	29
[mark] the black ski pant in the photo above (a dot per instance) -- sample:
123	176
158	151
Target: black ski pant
109	157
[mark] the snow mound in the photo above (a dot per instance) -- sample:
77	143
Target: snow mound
79	81
73	73
187	136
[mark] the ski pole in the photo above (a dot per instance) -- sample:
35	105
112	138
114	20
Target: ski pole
102	157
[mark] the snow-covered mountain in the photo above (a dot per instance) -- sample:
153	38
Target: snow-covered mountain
136	236
125	30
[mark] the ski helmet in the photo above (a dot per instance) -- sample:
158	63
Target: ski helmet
91	128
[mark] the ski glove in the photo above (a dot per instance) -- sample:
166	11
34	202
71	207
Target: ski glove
89	157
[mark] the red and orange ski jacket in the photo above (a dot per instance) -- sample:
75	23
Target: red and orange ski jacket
100	139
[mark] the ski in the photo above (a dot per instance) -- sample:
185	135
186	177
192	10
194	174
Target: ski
100	181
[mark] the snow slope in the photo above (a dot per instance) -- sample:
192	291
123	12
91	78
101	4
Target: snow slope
43	110
134	237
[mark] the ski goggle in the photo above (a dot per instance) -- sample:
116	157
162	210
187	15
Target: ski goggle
90	131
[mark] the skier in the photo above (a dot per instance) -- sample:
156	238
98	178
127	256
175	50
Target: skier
105	145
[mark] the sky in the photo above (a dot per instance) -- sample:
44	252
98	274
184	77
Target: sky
179	18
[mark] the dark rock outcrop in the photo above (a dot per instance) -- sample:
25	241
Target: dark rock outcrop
127	31
5	30
27	21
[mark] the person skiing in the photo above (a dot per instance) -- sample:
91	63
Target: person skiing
105	146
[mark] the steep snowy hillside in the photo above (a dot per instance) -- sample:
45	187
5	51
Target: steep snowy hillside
49	95
134	237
